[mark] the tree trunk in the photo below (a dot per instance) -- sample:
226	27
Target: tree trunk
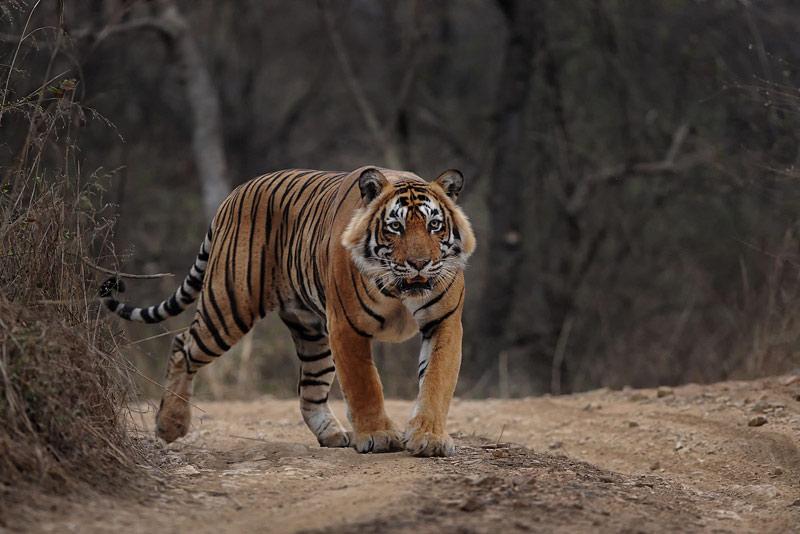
207	143
507	212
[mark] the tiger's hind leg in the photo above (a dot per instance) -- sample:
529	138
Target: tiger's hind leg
174	414
198	346
317	372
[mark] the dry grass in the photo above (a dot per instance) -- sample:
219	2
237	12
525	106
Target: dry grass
64	387
64	390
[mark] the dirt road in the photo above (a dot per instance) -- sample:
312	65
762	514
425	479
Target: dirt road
641	460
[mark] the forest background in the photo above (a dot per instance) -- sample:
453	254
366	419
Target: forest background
631	166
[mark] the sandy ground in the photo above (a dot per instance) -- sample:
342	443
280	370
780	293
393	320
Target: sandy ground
686	459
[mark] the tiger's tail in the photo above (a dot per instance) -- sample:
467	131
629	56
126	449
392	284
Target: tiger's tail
186	293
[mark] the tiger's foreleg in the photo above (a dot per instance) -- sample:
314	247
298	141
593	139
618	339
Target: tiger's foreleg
439	363
317	372
373	431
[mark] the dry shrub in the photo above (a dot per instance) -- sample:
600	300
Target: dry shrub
769	315
64	389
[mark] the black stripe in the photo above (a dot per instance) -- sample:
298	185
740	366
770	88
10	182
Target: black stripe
290	191
262	310
307	358
194	282
212	298
367	309
317	401
316	277
188	372
386	292
317	374
202	346
237	318
305	216
154	311
344	198
172	307
429	328
125	311
256	197
231	254
309	337
212	329
146	317
344	312
300	330
328	423
422	371
311	382
194	360
366	290
437	298
338	207
184	297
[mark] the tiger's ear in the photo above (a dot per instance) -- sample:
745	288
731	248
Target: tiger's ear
371	182
451	181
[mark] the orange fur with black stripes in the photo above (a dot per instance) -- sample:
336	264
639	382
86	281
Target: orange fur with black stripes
346	259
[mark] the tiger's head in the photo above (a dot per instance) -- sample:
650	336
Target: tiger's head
410	236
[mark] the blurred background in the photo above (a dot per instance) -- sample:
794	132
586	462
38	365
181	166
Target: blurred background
631	165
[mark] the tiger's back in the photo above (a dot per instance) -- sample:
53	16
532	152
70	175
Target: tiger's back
269	246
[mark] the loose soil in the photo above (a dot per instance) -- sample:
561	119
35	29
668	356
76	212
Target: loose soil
684	459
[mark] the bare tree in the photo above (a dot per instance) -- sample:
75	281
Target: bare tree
208	147
507	212
384	132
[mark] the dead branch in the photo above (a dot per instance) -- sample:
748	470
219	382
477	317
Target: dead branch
22	38
119	274
207	143
283	128
428	117
409	70
366	108
670	164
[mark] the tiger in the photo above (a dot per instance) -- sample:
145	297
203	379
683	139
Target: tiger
346	258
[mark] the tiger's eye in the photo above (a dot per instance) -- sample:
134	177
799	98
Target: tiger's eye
395	226
435	225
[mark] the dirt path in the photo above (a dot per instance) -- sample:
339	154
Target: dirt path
639	460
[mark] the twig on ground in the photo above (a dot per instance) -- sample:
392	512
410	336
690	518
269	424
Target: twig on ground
502	430
246	437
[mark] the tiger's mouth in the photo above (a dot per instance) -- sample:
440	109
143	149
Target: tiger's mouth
415	285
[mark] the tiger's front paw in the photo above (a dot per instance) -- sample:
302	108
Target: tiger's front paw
388	440
336	439
421	440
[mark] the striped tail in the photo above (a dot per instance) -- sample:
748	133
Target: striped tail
186	293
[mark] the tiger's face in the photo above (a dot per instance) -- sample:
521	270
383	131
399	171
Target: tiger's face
410	237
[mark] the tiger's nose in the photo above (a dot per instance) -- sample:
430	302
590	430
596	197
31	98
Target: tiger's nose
418	263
